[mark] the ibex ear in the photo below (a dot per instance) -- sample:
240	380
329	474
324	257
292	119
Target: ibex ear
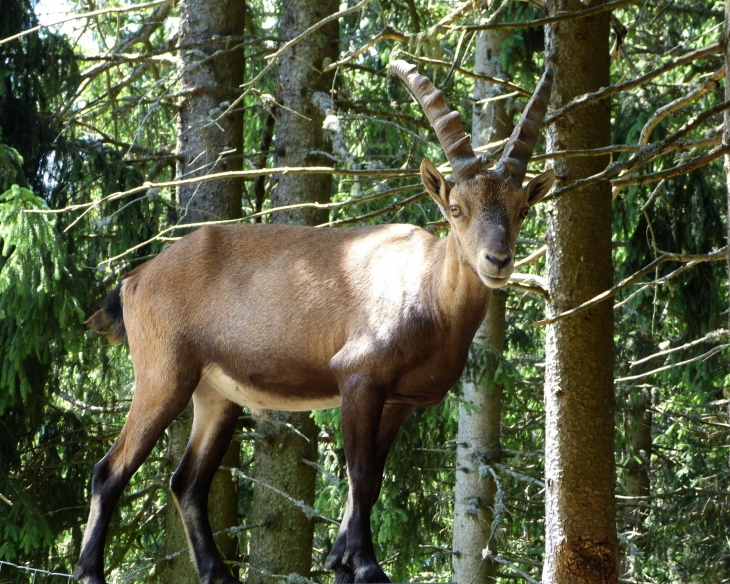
436	185
539	186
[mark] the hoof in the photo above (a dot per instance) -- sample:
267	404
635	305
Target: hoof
80	575
372	574
343	575
334	559
220	579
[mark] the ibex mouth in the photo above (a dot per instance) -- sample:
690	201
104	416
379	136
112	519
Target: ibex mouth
494	281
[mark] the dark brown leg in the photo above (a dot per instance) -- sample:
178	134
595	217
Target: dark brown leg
154	407
214	423
368	436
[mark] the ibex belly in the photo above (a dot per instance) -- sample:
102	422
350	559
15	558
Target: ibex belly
258	400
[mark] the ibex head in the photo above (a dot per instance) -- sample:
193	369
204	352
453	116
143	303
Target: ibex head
485	208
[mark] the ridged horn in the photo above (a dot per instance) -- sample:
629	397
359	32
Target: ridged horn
456	145
518	150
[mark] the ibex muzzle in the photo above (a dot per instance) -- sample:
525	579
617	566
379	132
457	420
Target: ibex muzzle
376	319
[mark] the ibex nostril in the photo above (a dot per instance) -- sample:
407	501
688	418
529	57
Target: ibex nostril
499	262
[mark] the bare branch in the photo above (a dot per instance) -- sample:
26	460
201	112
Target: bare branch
709	337
702	357
689	166
91	14
548	20
667	257
677	104
645	154
478	76
626	85
529	283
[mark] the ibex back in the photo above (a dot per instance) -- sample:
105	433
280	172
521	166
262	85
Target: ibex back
377	320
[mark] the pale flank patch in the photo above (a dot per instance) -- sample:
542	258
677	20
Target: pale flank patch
257	400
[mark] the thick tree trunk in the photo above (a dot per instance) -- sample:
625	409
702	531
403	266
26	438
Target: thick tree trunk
299	137
201	147
206	147
581	542
479	425
284	545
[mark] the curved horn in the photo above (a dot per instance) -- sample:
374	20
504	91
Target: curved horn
464	163
518	150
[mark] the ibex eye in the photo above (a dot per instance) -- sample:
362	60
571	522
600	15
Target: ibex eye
455	211
525	212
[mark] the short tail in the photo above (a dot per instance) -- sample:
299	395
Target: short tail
110	314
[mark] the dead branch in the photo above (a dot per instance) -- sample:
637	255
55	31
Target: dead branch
677	104
533	257
478	76
702	357
91	14
548	20
713	336
397	206
529	283
689	144
644	154
625	283
380	173
627	85
689	166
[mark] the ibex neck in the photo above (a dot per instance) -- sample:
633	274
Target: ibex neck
460	294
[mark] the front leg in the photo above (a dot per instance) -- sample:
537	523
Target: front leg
352	556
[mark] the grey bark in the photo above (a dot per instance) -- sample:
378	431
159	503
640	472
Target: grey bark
491	121
638	422
284	544
478	445
478	439
179	569
580	538
299	138
206	148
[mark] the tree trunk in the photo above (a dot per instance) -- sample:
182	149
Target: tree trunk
201	149
580	538
636	478
178	569
206	147
299	136
477	445
491	121
479	424
284	544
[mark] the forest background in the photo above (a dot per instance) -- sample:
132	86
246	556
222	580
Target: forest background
98	116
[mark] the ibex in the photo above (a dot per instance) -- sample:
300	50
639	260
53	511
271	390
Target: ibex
376	320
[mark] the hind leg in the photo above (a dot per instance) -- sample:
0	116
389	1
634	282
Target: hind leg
154	407
214	423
